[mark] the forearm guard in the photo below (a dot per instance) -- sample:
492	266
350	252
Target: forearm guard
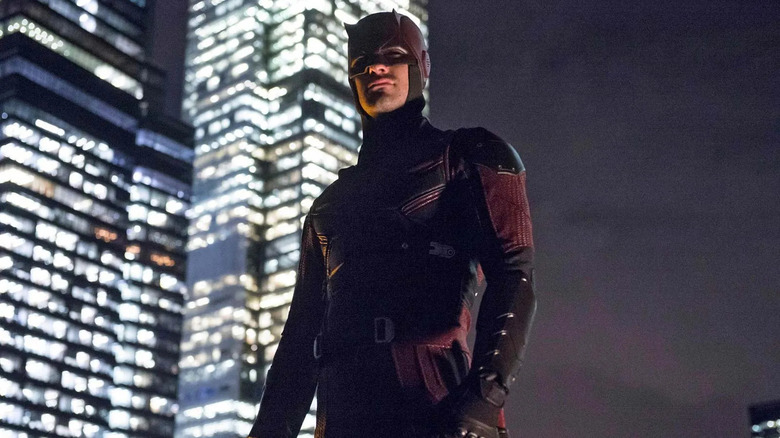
503	325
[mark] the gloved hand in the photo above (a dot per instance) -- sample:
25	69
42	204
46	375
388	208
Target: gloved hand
472	409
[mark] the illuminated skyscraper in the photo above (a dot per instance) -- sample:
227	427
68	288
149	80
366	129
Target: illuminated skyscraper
94	183
765	420
266	89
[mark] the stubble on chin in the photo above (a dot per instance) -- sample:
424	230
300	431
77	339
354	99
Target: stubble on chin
382	100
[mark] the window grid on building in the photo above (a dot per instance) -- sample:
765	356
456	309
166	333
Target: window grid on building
94	185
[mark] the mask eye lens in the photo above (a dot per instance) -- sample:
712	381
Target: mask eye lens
360	64
397	56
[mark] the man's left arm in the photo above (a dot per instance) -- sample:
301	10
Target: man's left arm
504	245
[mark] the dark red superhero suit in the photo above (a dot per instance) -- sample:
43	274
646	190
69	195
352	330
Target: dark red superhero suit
392	256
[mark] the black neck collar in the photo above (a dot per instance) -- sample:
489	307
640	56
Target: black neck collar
385	136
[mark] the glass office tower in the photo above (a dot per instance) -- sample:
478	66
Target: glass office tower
94	185
266	89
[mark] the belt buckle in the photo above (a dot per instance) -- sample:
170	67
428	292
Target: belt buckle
384	330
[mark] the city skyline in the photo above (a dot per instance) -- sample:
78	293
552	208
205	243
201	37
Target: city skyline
650	136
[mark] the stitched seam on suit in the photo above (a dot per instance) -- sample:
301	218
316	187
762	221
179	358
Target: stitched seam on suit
517	231
426	166
423	199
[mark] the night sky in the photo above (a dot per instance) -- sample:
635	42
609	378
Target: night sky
651	135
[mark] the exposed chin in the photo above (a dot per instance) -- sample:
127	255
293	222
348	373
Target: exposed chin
381	100
384	108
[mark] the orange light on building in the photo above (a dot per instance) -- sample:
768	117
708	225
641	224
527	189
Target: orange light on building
162	260
132	251
105	235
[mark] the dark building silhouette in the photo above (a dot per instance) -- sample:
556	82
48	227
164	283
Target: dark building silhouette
765	419
94	185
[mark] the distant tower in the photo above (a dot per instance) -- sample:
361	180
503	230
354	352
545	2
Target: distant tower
765	420
266	89
94	183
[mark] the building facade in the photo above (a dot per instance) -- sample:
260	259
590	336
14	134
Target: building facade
266	90
765	420
94	186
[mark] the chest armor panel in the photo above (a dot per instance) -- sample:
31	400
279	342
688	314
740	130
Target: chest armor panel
394	244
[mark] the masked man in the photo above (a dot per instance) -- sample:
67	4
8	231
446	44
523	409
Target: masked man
392	257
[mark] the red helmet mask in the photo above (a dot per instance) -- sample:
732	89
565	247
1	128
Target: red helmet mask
376	32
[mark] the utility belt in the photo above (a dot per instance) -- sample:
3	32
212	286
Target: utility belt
383	331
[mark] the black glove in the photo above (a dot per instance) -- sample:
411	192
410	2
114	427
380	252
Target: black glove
472	409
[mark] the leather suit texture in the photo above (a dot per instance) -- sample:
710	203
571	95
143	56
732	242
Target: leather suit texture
401	242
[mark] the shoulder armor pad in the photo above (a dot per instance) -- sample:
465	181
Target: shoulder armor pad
481	146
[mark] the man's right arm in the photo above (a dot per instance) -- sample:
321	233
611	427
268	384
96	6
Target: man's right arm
292	379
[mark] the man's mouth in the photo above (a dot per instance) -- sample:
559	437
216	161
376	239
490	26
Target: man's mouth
379	83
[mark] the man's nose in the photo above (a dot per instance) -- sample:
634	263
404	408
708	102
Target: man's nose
378	68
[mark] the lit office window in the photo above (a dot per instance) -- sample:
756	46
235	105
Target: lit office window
79	56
